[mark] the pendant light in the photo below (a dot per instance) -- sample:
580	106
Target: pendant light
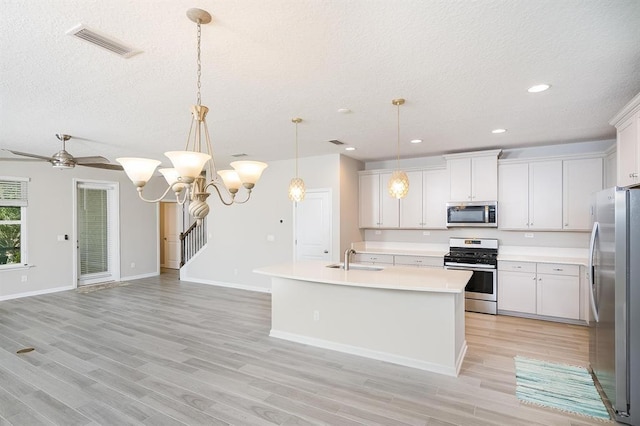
399	183
296	187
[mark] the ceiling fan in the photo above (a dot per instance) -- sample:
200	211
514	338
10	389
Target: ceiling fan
63	160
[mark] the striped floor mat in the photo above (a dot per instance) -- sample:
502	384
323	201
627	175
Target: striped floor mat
560	386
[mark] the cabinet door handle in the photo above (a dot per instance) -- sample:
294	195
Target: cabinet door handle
517	267
539	279
534	278
558	269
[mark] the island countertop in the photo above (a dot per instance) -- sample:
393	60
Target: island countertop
390	277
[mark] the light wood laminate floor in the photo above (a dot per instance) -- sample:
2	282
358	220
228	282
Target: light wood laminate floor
164	352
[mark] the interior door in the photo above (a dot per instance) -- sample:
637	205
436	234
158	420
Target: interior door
97	232
170	234
313	226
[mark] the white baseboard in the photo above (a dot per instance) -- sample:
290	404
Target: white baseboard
139	277
368	353
224	284
461	356
36	292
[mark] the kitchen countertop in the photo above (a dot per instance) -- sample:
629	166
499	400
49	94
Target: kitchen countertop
390	277
569	256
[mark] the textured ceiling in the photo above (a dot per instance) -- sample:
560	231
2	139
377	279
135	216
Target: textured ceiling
463	67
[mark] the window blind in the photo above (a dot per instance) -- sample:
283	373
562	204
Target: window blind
13	191
93	231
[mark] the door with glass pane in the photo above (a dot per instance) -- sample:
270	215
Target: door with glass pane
97	232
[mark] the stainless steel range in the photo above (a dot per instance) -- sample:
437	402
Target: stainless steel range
479	255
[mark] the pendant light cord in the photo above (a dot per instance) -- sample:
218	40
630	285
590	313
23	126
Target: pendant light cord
398	151
296	148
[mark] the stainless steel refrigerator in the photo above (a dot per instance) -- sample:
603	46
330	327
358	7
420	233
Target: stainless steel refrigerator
614	270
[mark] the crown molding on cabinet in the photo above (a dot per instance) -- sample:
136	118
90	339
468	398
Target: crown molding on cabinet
492	152
627	111
556	157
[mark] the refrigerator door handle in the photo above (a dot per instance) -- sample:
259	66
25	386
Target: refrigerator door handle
591	271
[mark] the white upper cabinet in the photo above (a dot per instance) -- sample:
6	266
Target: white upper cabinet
411	205
425	204
460	179
627	123
513	196
530	195
628	150
435	196
377	208
581	178
545	195
473	176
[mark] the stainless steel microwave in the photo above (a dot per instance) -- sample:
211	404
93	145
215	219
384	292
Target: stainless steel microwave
477	213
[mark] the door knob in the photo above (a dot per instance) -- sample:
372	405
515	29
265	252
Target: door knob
326	251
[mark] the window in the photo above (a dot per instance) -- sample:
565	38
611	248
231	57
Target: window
13	221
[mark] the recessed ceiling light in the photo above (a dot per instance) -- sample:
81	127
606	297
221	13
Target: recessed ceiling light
538	88
416	140
496	131
350	148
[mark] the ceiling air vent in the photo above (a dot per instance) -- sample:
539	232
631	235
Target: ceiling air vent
336	142
103	41
239	155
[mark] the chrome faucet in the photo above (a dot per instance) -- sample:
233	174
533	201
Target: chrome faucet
347	253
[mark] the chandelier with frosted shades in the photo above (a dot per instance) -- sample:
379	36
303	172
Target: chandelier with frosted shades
186	177
398	185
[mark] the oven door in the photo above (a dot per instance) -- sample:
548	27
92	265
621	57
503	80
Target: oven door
482	285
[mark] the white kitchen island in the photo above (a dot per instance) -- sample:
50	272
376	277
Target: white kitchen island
407	316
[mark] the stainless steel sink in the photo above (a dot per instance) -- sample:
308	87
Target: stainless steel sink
356	267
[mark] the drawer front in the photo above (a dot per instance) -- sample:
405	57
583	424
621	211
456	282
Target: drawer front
428	261
558	269
373	258
507	265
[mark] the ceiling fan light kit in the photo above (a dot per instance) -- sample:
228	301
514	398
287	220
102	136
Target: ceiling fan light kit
186	177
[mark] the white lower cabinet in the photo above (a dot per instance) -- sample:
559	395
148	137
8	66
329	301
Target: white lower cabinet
419	261
544	289
558	292
373	259
399	260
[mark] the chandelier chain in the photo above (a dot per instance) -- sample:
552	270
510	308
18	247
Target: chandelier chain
199	62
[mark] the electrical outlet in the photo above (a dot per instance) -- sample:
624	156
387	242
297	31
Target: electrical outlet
426	232
316	315
528	235
24	278
235	272
133	265
378	232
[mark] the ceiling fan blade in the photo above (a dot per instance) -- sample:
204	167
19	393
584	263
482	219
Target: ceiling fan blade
26	154
102	166
21	160
90	160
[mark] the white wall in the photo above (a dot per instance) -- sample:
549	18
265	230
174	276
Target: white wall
237	241
50	213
